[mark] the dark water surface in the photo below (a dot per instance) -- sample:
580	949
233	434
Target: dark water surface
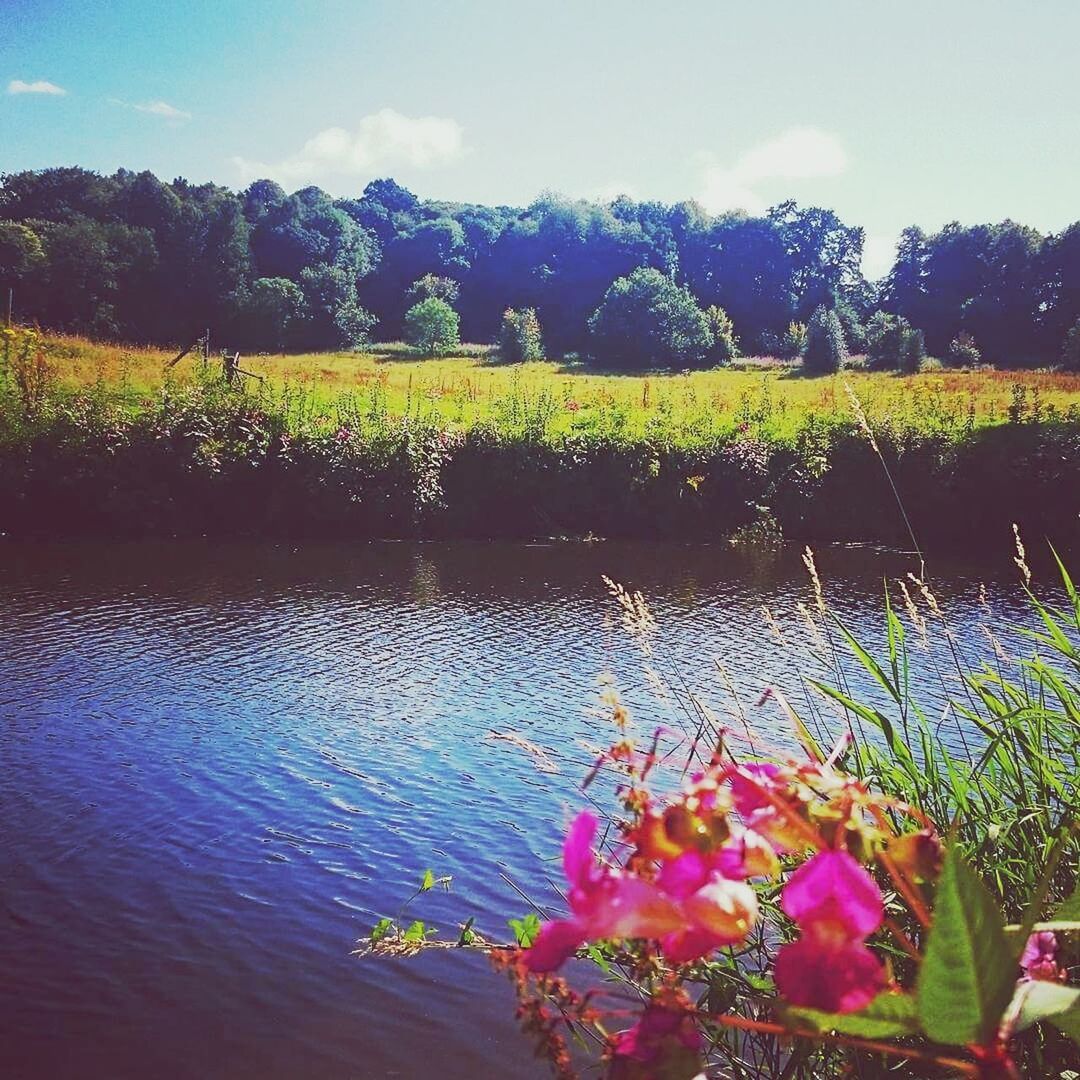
220	764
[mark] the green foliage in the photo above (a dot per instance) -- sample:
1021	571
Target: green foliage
646	320
431	286
963	351
892	344
273	306
519	336
888	1016
793	341
825	349
432	326
725	346
969	969
1070	350
525	929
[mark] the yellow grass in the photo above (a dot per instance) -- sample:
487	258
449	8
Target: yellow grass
465	390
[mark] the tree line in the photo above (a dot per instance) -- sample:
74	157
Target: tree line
131	257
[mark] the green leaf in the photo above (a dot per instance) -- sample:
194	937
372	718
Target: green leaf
428	881
417	931
525	929
381	929
467	936
969	969
888	1016
1069	910
1050	1001
599	959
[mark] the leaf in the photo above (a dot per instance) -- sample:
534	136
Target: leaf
525	930
1050	1001
888	1016
428	881
381	929
416	932
467	936
599	959
969	969
1069	910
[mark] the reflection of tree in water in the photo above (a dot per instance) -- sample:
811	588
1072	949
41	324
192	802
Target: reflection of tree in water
425	584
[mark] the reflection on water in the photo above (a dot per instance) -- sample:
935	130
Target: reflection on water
220	764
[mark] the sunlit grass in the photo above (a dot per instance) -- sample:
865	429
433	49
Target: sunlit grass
466	390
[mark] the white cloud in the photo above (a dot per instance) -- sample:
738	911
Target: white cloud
153	108
17	86
384	138
797	154
162	108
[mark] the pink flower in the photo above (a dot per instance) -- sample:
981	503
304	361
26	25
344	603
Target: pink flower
691	908
604	903
838	977
1039	958
572	406
664	1042
833	895
837	905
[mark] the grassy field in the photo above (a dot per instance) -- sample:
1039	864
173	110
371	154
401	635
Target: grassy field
770	397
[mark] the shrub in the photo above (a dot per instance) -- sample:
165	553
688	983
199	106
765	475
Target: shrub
432	326
793	341
519	337
892	344
725	346
825	349
1070	351
963	351
854	331
912	351
647	320
271	308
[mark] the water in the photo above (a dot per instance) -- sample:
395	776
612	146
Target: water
219	765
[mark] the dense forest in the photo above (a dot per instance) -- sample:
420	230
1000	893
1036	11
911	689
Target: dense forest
133	258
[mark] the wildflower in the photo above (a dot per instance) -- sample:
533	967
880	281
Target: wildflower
604	903
691	908
1039	959
572	406
837	905
664	1043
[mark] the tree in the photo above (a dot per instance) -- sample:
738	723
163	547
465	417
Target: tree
432	326
272	308
332	315
825	348
892	344
431	285
1070	351
963	351
519	336
647	320
725	345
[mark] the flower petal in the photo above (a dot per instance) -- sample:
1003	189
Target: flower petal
556	942
831	889
822	975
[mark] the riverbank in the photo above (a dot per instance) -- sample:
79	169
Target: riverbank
192	455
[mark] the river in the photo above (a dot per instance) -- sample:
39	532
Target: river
221	763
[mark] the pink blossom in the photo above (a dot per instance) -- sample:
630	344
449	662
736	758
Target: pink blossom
664	1042
835	976
690	907
1039	959
837	905
832	892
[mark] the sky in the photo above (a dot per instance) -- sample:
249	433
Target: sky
891	114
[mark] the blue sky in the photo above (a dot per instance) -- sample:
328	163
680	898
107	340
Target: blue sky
890	113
